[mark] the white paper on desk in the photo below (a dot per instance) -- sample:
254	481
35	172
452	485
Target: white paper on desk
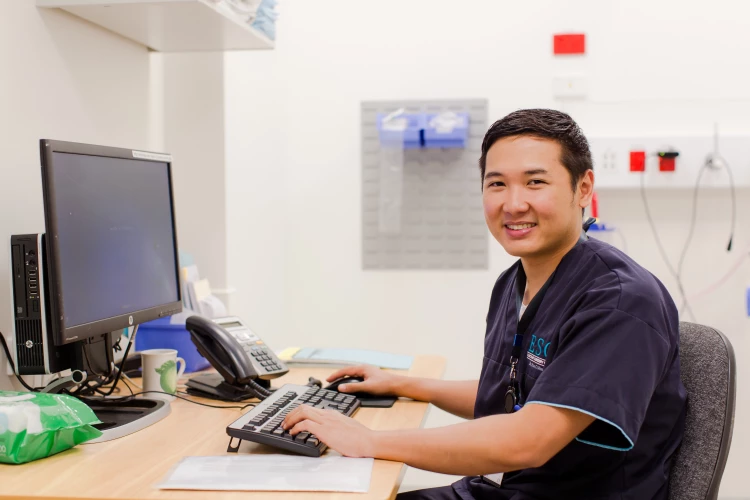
270	473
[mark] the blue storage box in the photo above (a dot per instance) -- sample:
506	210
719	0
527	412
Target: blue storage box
446	130
162	334
405	127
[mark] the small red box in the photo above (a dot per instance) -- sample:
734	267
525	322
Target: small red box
572	43
666	164
637	161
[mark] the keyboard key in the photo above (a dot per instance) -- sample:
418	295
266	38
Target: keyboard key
301	437
263	424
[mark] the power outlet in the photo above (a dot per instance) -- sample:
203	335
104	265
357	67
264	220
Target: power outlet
609	160
637	161
617	157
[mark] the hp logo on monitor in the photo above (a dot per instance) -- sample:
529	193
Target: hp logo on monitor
130	320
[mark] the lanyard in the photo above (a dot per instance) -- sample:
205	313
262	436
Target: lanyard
513	394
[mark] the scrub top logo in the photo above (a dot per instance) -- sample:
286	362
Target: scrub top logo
537	353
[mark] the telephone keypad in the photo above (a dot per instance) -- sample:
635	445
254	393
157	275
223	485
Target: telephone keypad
263	360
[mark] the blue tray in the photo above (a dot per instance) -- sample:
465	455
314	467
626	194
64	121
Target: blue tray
160	334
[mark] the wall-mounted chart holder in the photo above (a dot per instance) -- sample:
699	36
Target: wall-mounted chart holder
399	127
422	206
446	130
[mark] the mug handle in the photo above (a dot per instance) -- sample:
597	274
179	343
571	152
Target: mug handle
182	367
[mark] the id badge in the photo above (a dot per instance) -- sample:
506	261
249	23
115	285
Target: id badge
493	479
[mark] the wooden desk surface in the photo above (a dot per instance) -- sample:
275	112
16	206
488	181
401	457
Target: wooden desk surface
129	467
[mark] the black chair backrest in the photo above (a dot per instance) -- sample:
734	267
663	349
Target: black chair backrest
708	371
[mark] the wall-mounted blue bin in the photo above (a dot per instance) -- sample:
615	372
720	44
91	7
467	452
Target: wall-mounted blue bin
397	128
446	130
161	334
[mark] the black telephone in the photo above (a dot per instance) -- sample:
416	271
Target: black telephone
244	362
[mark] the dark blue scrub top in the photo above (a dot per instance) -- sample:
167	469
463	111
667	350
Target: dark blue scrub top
605	342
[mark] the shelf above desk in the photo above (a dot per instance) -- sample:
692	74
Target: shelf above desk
169	25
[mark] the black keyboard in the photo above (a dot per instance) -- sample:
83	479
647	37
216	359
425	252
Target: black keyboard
262	424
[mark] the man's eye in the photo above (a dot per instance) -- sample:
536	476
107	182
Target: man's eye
536	182
496	184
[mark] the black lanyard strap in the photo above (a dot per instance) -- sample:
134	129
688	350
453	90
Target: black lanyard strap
513	394
529	313
533	307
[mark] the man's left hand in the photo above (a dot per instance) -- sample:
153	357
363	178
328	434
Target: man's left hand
343	434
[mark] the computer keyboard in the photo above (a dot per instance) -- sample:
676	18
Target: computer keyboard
262	424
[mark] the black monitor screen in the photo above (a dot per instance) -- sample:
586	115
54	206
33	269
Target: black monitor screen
116	240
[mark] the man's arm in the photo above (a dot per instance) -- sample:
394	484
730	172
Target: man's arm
497	443
456	397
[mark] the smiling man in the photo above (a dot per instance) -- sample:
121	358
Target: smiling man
579	395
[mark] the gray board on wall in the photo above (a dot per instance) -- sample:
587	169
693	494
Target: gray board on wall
441	218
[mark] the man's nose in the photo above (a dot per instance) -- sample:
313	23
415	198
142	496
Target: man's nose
515	202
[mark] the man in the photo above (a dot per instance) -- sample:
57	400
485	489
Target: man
579	395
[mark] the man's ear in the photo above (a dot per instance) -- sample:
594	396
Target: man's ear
585	189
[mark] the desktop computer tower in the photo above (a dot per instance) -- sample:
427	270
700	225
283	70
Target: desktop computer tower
33	345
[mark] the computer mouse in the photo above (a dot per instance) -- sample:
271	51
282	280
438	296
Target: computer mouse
366	399
344	380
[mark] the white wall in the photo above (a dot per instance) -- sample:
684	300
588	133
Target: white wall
293	159
192	90
61	78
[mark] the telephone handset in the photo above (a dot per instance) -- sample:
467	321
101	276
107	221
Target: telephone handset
239	355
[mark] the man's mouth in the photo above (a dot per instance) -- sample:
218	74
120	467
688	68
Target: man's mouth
517	227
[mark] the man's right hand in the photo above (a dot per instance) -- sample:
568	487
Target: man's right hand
376	381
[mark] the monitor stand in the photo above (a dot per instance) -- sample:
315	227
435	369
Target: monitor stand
120	418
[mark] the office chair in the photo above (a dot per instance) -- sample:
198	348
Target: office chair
708	371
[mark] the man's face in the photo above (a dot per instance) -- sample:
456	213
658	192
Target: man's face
529	204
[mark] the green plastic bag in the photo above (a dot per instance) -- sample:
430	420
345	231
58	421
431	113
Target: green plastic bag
35	425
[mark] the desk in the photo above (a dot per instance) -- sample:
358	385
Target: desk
128	468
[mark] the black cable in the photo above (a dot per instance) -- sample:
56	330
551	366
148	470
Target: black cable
734	202
85	349
132	396
690	231
88	389
122	363
258	389
694	213
13	367
661	250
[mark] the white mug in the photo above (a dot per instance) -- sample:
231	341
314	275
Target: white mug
160	371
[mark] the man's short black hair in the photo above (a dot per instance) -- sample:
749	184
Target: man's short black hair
545	124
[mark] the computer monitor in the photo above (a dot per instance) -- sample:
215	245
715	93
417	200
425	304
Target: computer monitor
111	240
107	261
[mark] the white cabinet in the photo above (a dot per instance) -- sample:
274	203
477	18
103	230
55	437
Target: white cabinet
169	25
